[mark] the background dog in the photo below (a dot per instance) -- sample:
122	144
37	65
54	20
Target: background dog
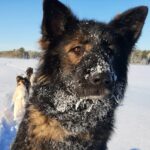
80	81
29	72
30	75
20	98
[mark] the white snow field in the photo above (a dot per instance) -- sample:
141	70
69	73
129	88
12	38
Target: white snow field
132	127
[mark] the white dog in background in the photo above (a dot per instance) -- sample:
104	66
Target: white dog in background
20	97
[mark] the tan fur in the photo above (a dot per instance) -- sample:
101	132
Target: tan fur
76	59
88	47
69	59
43	127
44	43
84	136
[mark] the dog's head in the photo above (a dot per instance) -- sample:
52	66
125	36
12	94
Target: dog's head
19	80
29	72
23	81
92	54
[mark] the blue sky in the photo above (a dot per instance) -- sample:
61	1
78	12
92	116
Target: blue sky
20	20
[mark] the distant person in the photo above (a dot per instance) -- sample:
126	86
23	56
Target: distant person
20	97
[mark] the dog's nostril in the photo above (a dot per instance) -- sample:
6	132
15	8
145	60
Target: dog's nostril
107	81
103	78
96	80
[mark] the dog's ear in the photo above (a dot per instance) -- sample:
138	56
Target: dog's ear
57	18
19	78
29	71
130	23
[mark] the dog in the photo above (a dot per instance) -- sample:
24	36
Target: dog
29	72
80	81
20	97
30	75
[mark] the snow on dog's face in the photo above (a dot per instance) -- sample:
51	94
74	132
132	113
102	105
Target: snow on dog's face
89	58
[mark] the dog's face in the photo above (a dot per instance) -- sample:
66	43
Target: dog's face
24	81
89	56
20	80
29	71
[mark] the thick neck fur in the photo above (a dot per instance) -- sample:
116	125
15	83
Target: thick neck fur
60	101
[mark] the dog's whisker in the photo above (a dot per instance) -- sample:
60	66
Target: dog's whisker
78	103
90	108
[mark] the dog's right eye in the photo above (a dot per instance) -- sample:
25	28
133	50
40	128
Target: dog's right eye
78	50
109	47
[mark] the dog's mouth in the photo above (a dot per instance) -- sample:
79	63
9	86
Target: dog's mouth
89	98
93	93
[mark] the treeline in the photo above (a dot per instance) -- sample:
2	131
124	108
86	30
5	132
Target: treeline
137	56
20	53
140	57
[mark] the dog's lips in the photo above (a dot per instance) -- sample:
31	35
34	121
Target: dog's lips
92	93
92	97
86	102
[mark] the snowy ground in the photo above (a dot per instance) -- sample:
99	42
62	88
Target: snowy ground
132	130
133	117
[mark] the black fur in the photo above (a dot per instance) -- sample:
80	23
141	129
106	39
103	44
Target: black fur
78	86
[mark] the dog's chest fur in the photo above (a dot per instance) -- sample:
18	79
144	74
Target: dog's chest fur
87	120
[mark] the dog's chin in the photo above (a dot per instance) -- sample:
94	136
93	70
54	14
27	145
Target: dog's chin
90	98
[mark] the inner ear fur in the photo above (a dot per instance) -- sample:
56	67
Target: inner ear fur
130	23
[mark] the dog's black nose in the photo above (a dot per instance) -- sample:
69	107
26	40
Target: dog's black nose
104	79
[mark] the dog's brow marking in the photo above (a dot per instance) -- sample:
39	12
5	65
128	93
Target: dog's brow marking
88	47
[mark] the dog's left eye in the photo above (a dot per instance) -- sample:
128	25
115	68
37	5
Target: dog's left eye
108	47
110	50
78	50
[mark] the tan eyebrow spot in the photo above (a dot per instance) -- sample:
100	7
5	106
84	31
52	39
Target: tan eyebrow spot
88	47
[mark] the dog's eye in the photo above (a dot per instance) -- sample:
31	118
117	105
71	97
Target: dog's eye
108	47
110	50
78	50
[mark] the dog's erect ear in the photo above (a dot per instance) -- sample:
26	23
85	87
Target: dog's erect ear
129	24
19	78
56	19
29	71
